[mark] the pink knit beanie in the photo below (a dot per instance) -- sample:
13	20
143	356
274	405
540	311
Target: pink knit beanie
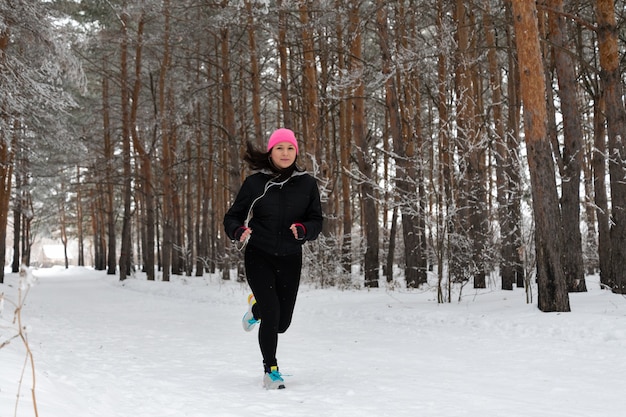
282	135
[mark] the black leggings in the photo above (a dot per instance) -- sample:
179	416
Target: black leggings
274	281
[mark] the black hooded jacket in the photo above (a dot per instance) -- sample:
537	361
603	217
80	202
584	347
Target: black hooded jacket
275	207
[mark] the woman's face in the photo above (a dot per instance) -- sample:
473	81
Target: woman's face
283	154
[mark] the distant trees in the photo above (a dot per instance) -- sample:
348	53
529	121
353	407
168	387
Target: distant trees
408	112
37	75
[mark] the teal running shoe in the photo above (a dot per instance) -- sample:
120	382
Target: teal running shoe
248	321
273	379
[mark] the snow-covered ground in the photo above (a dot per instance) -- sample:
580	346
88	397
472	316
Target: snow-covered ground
152	349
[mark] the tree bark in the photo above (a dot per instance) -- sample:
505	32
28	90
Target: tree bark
177	187
513	169
17	218
98	223
79	219
572	150
552	287
146	181
255	75
445	224
167	157
598	162
506	189
109	155
27	218
202	198
368	197
311	117
125	250
616	128
404	154
63	225
214	194
472	196
188	246
230	129
7	159
283	63
407	80
345	141
6	155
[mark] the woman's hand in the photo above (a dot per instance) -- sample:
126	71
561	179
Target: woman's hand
243	233
298	230
246	233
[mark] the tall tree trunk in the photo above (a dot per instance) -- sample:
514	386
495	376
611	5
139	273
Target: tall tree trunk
505	190
416	150
98	223
283	63
230	128
513	168
616	128
177	189
572	150
125	250
472	200
552	287
445	180
167	157
7	159
79	219
146	181
345	140
404	156
17	218
211	211
368	197
309	86
109	155
6	154
392	244
27	218
255	75
598	162
189	213
139	215
590	242
63	224
202	198
22	213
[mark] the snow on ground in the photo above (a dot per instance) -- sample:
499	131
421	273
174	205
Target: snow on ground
153	349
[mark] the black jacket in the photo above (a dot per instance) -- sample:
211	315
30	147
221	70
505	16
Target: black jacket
275	206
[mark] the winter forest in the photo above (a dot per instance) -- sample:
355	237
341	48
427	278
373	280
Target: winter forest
476	141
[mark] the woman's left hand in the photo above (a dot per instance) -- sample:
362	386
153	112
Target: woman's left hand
298	230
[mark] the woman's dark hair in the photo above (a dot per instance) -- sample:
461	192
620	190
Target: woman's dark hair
258	160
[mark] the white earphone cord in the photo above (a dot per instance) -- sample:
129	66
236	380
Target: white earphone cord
269	184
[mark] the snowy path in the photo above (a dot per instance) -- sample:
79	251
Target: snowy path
140	349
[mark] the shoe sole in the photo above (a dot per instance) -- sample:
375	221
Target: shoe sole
269	386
